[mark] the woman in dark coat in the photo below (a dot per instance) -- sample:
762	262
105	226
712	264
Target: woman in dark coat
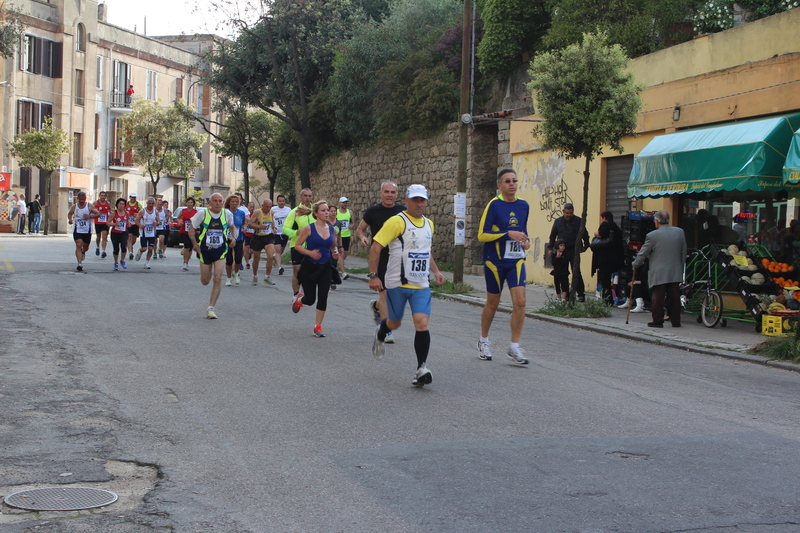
608	255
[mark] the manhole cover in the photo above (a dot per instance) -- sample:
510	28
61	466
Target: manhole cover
60	499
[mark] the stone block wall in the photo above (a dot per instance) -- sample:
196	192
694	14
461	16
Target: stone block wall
433	162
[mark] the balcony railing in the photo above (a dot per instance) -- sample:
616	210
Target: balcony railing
118	158
121	100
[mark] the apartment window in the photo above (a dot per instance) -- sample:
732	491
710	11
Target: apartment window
40	56
80	38
27	116
151	92
236	164
76	150
220	168
45	110
120	82
79	95
27	53
99	79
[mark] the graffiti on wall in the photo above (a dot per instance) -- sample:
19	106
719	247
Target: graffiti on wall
553	198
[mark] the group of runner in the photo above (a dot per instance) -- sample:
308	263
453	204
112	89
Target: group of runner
226	234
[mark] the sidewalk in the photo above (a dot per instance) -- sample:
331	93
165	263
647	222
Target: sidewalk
731	341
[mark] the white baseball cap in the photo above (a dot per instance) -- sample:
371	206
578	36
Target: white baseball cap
133	195
417	191
343	199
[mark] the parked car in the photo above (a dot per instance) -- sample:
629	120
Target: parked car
174	239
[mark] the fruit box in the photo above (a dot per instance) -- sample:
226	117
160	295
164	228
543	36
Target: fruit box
778	326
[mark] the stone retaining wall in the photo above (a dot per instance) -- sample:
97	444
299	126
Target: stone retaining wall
433	162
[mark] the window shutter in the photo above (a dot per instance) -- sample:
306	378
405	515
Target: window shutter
178	89
58	59
37	55
19	117
206	99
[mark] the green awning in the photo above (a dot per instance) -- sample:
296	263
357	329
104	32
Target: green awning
745	156
791	168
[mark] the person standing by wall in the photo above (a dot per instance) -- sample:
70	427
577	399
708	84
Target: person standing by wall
666	248
566	228
608	253
34	215
22	209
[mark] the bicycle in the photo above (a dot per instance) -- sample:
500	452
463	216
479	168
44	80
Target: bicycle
702	291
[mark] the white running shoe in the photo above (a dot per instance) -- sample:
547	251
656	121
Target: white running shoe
227	282
236	278
423	376
517	355
345	275
484	350
210	312
268	281
389	338
147	265
138	255
255	281
185	266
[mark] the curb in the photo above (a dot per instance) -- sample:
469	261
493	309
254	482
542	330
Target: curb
479	302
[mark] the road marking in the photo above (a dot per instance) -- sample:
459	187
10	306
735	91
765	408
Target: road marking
7	266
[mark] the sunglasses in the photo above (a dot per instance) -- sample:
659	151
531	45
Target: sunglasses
510	181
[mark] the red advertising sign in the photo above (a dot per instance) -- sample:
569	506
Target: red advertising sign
5	181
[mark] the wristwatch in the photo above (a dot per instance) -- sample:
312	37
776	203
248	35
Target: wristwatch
372	275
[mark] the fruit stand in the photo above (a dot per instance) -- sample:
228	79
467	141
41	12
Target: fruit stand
767	287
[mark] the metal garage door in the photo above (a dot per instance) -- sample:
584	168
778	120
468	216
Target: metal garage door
618	171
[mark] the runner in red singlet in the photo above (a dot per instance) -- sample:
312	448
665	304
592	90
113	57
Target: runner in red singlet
101	224
186	222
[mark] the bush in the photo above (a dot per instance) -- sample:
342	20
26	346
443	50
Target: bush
779	348
567	309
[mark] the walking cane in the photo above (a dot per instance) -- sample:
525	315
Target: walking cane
630	295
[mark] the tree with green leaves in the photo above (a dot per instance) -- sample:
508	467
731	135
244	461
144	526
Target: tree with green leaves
231	137
279	63
639	26
587	102
411	27
42	149
511	28
11	29
162	140
266	151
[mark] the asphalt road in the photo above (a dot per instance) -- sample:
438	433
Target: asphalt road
254	425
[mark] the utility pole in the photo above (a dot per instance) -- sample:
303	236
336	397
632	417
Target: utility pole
460	199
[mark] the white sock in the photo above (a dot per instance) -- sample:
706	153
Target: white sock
484	339
514	345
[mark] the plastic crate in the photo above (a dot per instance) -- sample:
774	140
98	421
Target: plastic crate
753	305
746	289
778	326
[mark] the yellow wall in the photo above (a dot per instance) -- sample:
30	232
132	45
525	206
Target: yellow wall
745	72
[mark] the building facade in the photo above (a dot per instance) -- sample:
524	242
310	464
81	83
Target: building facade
73	66
748	72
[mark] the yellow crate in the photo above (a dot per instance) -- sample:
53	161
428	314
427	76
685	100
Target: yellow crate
778	326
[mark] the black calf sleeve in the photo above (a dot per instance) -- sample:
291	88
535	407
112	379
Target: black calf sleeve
422	344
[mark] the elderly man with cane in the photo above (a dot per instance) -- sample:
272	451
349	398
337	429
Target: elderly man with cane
666	248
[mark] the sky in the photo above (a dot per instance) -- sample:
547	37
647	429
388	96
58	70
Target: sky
164	17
